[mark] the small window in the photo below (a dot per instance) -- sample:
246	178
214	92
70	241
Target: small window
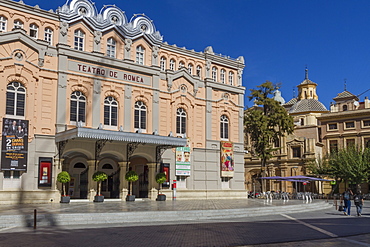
140	55
224	127
199	71
34	31
345	108
277	143
111	48
333	146
18	24
79	165
3	22
222	76
302	121
180	122
333	126
78	107
231	78
350	143
181	65
110	111
296	151
350	125
172	64
107	166
79	40
214	73
140	115
163	63
48	36
190	68
366	123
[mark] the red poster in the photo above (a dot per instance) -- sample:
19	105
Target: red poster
45	173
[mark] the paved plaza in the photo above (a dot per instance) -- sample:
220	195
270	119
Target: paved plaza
249	222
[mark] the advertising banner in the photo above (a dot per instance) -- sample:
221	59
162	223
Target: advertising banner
183	161
227	159
45	172
14	148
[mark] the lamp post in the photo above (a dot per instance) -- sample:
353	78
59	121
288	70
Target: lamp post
295	174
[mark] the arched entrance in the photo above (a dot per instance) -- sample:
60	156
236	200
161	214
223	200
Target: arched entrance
140	188
78	186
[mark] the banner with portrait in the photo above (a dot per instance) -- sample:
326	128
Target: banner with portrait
14	148
227	159
183	161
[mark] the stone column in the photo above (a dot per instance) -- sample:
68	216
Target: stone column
152	184
92	185
123	187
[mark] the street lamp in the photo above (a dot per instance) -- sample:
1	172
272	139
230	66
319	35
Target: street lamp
295	174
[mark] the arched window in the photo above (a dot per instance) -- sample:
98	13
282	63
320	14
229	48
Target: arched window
163	63
231	78
110	111
79	40
190	68
140	54
3	22
78	107
79	165
302	121
180	122
222	76
181	65
345	108
15	99
18	24
107	166
224	127
111	48
172	64
48	36
34	29
214	73
199	71
140	116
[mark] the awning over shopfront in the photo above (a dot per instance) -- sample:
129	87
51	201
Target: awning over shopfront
120	136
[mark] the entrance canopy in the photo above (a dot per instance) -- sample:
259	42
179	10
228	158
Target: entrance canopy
298	178
120	136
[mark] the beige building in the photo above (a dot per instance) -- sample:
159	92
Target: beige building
294	150
95	91
347	123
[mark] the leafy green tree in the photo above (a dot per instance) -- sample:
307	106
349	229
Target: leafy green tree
267	123
63	177
160	178
131	176
351	164
99	177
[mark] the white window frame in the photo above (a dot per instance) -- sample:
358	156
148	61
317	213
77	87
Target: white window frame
172	64
3	23
231	78
163	63
18	24
34	31
110	113
140	116
19	92
48	35
349	128
111	47
181	122
181	65
199	71
224	127
214	73
190	68
81	104
222	76
140	53
79	40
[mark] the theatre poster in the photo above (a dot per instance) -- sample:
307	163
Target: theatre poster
14	144
183	161
227	159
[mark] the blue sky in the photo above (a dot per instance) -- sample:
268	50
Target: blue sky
278	38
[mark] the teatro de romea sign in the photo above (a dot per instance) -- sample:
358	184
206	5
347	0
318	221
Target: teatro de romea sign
108	73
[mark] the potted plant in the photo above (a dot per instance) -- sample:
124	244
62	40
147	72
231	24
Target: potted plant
160	178
64	177
131	176
99	177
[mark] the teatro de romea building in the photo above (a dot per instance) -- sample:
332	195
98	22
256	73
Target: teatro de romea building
83	90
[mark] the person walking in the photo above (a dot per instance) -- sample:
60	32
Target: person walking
347	201
358	199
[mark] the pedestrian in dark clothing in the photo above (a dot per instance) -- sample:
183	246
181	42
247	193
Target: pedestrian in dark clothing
358	199
347	201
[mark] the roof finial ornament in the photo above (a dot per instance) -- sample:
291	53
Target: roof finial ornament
306	73
345	84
